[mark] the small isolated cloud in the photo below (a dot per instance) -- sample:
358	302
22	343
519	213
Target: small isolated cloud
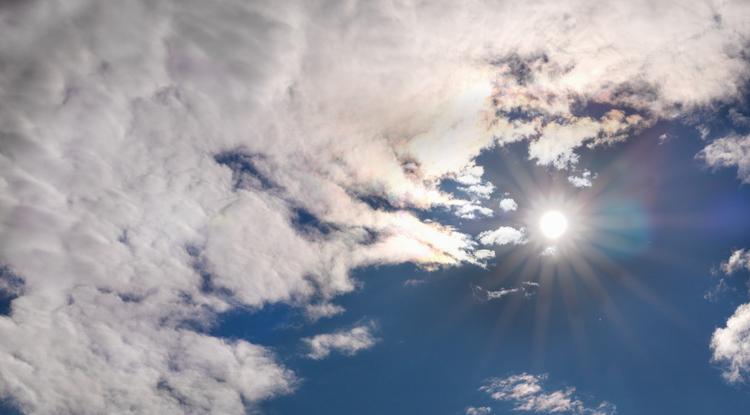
583	180
508	205
481	410
503	235
413	282
527	394
527	289
730	151
549	251
347	342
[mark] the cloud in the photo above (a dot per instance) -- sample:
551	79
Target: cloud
730	345
584	180
549	251
164	162
481	191
472	210
503	235
347	342
528	394
730	151
526	288
508	205
739	260
715	293
481	410
315	312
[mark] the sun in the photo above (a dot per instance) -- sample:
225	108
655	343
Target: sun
553	224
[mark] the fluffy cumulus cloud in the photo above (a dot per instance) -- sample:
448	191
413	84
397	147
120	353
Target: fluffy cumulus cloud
527	393
504	235
730	151
738	260
731	344
508	205
162	162
582	180
348	342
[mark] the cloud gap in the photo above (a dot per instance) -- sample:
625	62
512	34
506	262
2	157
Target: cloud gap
11	287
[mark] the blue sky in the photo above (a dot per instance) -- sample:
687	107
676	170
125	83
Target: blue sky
260	207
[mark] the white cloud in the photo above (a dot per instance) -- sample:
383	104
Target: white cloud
115	112
730	151
526	288
738	260
528	394
471	210
503	235
315	312
508	205
730	345
470	175
484	254
481	410
482	190
549	251
584	180
348	342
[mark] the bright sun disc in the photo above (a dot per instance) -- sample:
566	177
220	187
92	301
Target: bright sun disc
553	224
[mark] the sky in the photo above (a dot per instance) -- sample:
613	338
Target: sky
478	207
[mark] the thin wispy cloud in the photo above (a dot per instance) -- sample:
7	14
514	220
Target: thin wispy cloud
528	393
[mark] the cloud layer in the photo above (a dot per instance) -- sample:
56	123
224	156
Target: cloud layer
165	162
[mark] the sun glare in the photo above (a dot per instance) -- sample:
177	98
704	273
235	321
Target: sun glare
553	224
